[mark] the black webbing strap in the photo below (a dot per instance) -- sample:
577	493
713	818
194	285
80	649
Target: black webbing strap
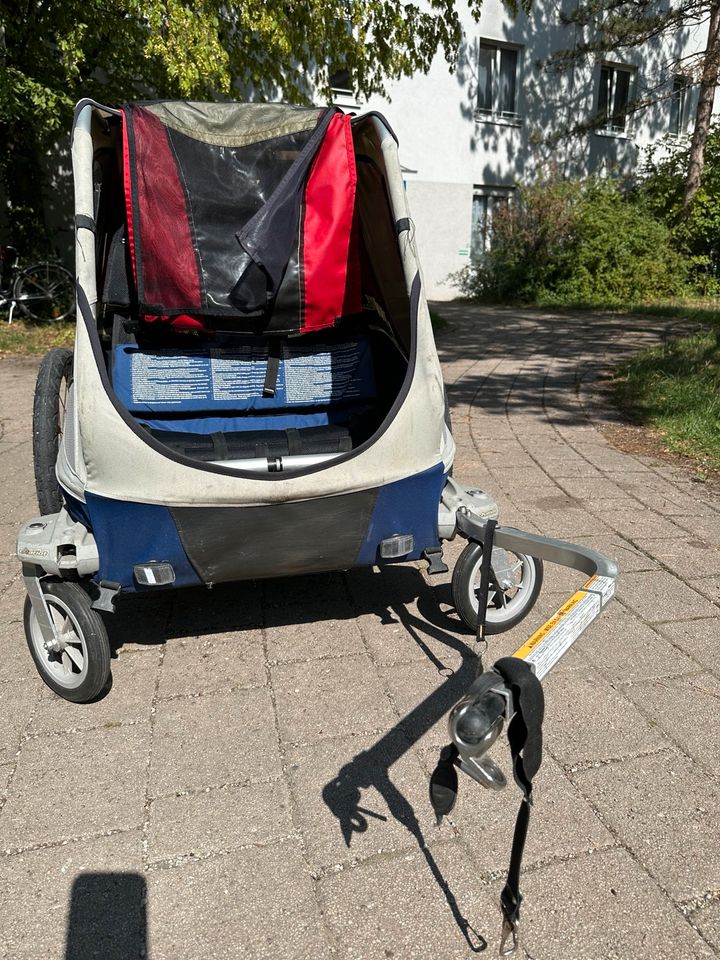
220	447
293	441
273	369
82	220
402	224
484	589
525	738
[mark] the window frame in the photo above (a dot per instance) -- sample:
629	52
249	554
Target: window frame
608	127
678	96
494	112
491	195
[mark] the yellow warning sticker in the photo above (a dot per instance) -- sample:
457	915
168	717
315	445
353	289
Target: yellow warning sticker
549	625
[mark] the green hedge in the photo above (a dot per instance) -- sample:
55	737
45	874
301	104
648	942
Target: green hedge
571	242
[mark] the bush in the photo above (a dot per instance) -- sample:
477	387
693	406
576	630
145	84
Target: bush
697	235
577	242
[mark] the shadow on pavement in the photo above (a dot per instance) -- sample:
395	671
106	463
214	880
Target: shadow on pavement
107	917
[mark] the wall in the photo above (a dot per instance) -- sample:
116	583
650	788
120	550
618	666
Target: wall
449	150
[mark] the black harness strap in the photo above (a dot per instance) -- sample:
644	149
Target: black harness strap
525	737
484	589
275	353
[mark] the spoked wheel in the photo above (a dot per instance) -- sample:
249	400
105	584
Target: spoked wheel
51	392
45	292
515	582
77	665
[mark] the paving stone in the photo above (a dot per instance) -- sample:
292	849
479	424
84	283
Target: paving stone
586	720
358	796
72	784
709	587
563	823
256	903
665	811
203	664
129	698
213	739
219	820
139	623
411	905
592	488
705	527
689	558
624	648
303	632
661	597
603	907
699	638
17	702
225	609
422	697
707	920
80	900
686	708
329	698
636	522
315	588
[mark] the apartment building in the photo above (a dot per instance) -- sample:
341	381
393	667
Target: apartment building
467	138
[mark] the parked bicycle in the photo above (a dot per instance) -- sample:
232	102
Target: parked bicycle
44	291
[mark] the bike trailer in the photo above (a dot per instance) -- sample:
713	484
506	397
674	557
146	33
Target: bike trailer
255	392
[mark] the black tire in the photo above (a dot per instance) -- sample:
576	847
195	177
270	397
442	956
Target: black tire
82	677
53	381
45	292
465	581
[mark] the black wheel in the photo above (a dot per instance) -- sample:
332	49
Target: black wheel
80	666
45	292
515	582
51	389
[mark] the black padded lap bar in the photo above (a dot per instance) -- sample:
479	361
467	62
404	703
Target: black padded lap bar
245	444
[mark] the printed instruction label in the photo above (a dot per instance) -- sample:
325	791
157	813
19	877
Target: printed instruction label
167	378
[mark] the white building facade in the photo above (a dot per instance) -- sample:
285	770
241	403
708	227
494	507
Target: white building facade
467	138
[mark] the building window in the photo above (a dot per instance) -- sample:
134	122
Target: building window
486	203
614	97
338	73
678	101
497	80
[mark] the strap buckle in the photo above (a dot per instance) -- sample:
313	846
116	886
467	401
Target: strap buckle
509	932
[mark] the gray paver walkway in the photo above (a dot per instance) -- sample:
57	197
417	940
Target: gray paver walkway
254	784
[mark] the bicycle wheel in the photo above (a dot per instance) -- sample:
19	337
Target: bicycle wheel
51	389
45	292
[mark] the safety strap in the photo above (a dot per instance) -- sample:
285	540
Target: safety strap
485	566
276	352
525	738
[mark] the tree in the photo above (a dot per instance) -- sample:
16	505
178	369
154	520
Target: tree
611	26
53	52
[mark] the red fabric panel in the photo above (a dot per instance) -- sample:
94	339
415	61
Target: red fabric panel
168	262
329	254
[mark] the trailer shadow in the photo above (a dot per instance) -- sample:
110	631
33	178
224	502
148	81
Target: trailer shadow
371	768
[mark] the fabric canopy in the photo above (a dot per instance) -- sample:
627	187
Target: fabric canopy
242	210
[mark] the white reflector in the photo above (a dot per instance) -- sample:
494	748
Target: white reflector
398	546
154	574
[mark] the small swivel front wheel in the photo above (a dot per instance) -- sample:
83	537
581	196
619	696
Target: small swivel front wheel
76	665
515	582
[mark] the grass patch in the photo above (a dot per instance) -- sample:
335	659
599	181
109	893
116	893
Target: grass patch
676	390
25	339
